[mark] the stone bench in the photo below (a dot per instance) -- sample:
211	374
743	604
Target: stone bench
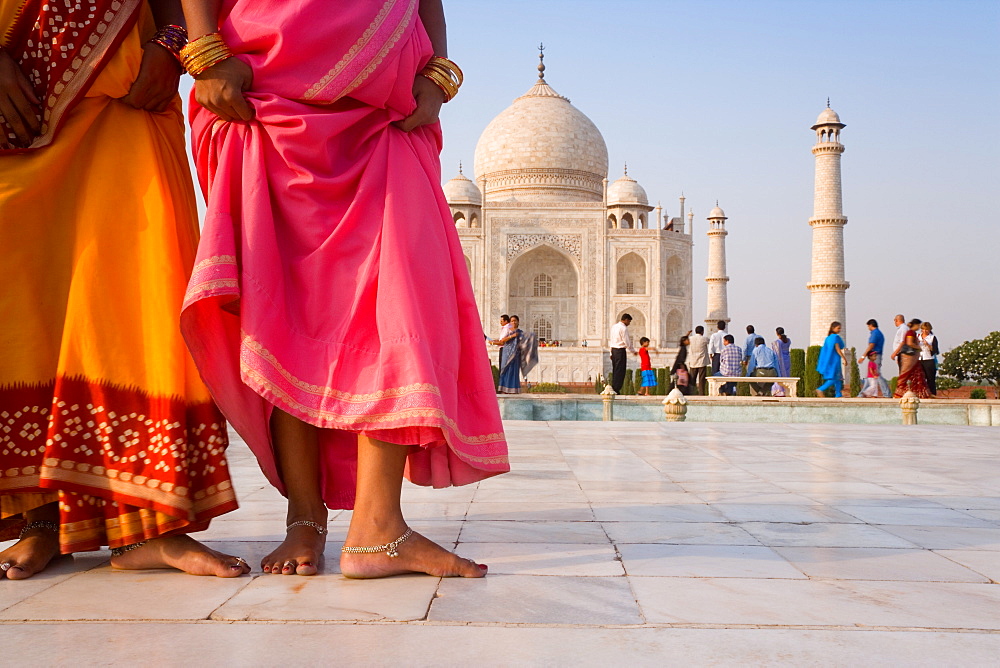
715	383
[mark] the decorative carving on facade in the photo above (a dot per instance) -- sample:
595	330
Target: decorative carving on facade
520	243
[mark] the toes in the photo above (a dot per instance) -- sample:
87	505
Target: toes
306	568
19	573
289	567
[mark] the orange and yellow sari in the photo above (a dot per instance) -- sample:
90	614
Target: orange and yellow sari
101	407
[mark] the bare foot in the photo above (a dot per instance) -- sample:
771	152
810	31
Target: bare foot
30	555
416	555
183	553
301	553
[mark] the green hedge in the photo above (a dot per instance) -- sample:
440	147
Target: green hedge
598	384
628	387
549	388
496	376
662	379
811	380
798	369
856	382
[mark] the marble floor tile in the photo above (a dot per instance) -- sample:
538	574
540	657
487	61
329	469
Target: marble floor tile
128	595
945	538
606	497
876	563
934	605
533	599
545	558
812	489
983	562
705	561
678	533
330	597
533	532
625	512
530	512
58	571
781	512
530	495
823	534
228	644
937	517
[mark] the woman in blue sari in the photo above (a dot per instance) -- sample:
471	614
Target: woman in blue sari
831	357
510	359
782	347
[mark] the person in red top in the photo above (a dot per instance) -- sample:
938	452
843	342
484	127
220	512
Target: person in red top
648	375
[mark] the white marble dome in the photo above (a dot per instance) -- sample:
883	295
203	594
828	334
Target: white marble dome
716	213
828	117
460	190
627	190
542	148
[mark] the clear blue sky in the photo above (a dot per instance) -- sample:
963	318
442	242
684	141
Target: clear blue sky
715	98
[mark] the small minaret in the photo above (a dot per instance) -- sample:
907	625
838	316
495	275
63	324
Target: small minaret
718	301
681	216
827	285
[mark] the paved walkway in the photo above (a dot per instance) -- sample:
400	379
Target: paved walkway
646	543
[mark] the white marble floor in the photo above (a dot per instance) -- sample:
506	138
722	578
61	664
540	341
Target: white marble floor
646	543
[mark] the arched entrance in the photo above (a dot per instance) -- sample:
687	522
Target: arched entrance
542	289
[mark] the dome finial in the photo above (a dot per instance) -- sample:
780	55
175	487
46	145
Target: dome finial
460	167
827	101
541	62
626	168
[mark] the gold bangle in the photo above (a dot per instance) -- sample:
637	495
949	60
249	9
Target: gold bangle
449	65
446	86
204	52
445	74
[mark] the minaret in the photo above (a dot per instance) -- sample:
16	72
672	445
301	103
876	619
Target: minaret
681	215
827	285
718	302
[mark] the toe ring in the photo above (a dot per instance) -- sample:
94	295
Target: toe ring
5	566
288	564
240	561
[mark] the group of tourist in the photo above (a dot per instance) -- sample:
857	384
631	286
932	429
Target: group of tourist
914	349
311	315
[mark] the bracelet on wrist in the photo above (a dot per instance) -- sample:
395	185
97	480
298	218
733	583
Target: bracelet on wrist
204	52
445	74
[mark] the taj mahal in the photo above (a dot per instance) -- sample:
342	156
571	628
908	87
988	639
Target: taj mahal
549	238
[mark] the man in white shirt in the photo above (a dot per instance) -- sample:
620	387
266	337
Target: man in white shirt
715	345
698	358
620	342
504	332
897	341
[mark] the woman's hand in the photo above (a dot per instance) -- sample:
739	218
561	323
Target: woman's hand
156	85
220	90
429	100
19	106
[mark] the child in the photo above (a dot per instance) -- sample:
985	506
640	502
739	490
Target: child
648	375
875	385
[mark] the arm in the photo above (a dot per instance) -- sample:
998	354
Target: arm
219	88
159	75
871	346
427	95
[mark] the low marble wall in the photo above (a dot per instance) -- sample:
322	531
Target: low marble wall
583	407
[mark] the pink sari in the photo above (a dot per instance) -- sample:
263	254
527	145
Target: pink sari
330	281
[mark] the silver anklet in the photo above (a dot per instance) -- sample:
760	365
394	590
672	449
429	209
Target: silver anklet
119	551
51	526
320	529
388	548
